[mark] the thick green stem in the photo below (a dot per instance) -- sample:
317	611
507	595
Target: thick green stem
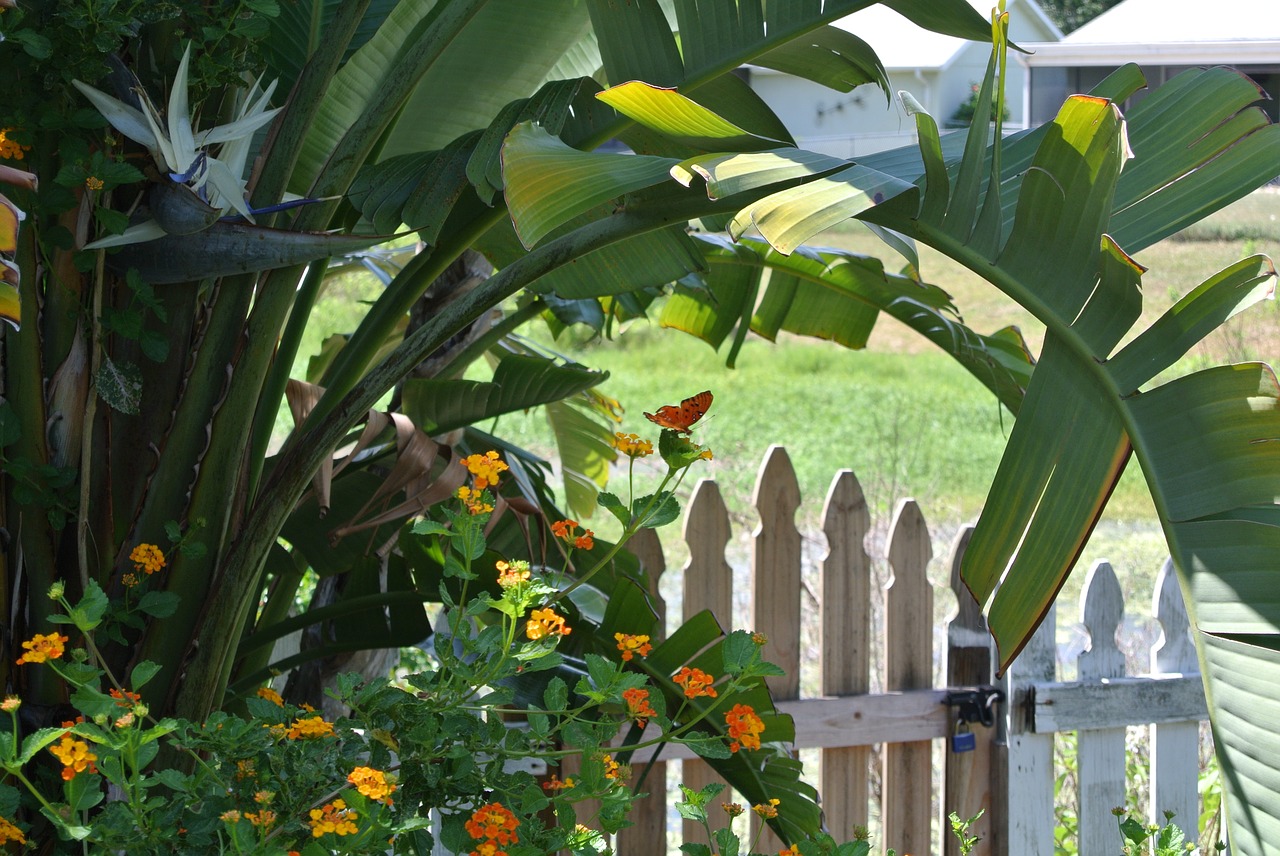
391	306
281	367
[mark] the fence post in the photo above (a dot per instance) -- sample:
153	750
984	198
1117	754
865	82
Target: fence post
1028	757
1175	746
708	584
648	836
908	767
845	611
1100	751
967	782
775	582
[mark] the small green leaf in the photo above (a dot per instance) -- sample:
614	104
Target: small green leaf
662	509
614	506
114	222
709	747
120	385
115	173
154	345
37	741
158	604
143	672
728	841
556	695
35	45
1133	830
430	527
739	651
603	672
87	614
92	703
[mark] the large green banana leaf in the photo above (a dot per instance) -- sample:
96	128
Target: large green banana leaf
428	79
1051	217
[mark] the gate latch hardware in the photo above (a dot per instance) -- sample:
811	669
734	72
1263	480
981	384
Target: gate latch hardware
975	704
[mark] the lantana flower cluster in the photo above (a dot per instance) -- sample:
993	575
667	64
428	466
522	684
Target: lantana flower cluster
493	826
333	818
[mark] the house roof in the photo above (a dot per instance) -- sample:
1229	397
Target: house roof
901	44
1171	32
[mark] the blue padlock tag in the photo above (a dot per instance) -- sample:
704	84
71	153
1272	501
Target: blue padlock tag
963	741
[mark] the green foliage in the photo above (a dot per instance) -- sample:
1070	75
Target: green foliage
281	777
184	437
960	829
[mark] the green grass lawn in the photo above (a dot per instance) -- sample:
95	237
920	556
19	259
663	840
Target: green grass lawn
901	414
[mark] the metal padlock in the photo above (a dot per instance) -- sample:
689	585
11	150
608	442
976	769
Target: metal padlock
963	740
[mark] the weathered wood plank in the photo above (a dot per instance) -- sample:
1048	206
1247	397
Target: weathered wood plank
908	767
967	778
851	721
708	584
1175	747
845	611
1115	703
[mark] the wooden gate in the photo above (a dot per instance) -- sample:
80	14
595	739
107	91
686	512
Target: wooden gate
916	780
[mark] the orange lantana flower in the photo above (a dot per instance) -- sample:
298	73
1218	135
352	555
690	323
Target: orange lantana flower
695	682
75	757
494	822
43	647
485	468
745	727
372	783
630	645
638	707
545	622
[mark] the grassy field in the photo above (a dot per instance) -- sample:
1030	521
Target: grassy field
901	414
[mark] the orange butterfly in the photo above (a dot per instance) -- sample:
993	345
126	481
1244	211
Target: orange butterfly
681	418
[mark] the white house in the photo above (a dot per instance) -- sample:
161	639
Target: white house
939	71
1164	37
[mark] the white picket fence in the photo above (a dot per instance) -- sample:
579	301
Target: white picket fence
1098	706
1010	771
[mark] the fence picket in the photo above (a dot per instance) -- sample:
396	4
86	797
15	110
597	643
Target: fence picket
1028	757
908	767
1175	746
1011	771
775	548
648	836
775	594
1100	751
708	584
967	782
846	644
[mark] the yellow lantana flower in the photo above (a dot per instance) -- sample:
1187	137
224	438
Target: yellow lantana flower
43	647
333	817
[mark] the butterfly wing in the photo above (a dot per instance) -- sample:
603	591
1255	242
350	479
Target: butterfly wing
682	416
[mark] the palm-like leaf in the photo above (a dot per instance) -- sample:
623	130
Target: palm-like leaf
1049	218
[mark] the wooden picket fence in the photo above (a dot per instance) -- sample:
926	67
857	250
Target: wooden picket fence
1009	773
